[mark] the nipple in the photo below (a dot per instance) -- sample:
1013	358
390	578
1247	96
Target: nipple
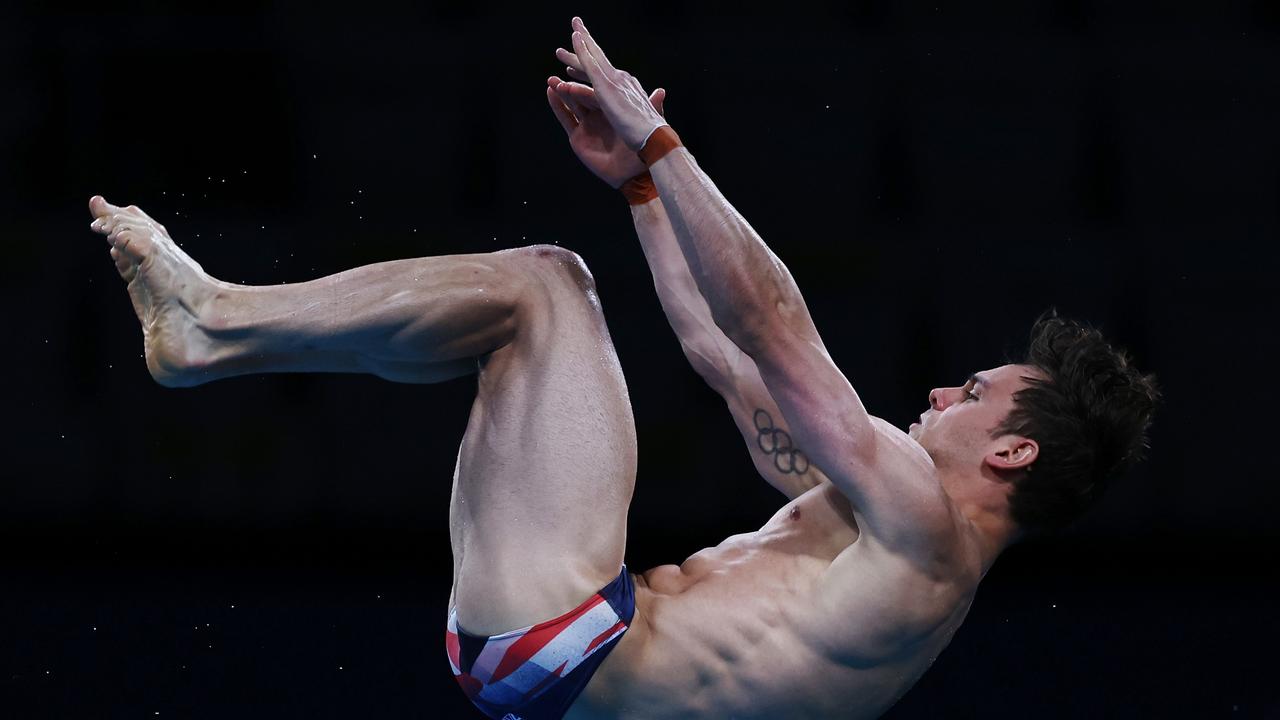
795	513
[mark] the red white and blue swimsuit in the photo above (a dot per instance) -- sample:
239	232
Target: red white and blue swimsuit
536	673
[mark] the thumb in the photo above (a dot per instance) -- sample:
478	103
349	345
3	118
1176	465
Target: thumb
658	97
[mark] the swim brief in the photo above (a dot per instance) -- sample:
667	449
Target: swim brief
536	673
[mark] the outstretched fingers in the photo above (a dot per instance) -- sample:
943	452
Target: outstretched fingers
594	54
593	63
562	111
590	67
572	65
580	98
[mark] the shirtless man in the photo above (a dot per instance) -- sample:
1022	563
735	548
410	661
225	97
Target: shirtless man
833	609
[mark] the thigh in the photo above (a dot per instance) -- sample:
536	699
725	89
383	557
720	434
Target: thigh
546	468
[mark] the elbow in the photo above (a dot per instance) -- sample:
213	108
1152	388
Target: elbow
748	319
756	327
752	336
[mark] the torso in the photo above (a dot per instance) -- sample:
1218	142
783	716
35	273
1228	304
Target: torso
744	629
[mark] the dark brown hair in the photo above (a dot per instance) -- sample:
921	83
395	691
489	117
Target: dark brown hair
1089	415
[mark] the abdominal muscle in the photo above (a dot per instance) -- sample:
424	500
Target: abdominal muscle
725	634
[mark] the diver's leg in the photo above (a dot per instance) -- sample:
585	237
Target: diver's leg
414	320
547	465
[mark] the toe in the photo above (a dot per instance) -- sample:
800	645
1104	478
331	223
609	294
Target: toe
124	265
131	244
100	208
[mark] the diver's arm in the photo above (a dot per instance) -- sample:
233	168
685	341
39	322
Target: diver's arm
720	362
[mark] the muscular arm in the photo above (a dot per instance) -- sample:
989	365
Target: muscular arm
753	299
728	370
889	480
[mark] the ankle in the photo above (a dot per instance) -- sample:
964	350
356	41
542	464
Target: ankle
222	307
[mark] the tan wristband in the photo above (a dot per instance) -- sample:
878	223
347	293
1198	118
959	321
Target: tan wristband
660	142
640	189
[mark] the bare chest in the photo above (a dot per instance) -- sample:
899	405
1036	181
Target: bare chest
803	537
731	631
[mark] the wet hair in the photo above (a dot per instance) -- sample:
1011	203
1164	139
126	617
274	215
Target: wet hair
1089	414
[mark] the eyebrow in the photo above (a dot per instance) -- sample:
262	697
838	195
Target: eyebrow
979	380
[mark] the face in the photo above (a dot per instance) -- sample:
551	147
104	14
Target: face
956	429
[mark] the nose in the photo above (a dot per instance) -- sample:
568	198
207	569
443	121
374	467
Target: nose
940	398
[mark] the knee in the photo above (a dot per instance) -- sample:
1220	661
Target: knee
553	264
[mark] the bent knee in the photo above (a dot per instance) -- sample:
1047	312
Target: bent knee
555	264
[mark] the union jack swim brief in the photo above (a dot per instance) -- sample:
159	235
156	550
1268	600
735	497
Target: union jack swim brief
537	672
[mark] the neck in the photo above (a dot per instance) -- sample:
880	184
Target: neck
986	511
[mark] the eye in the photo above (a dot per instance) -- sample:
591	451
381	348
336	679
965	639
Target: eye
969	395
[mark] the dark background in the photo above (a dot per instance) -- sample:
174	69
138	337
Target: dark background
275	546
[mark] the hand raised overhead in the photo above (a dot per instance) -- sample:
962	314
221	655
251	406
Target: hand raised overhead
591	136
619	95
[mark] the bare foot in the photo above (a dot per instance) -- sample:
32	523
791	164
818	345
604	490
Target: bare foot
169	291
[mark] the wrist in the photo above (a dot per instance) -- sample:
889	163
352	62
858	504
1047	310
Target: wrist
658	145
639	189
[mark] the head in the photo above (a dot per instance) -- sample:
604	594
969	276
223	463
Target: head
1045	436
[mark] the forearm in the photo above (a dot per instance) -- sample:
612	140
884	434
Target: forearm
747	288
721	363
709	351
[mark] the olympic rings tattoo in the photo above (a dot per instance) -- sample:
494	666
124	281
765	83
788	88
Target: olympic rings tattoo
786	457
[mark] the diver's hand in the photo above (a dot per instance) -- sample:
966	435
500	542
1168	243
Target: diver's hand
618	93
591	136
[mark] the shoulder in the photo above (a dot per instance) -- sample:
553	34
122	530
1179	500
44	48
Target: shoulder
895	450
926	527
883	595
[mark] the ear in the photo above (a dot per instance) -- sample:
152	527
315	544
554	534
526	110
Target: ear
1012	452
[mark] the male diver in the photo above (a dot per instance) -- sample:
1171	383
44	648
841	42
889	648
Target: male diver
833	609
